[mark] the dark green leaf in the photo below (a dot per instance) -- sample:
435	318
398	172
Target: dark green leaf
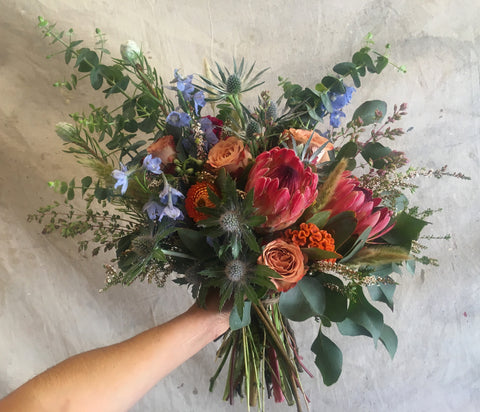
381	63
382	293
328	358
235	321
344	68
374	153
195	242
365	315
348	150
70	193
333	84
320	219
341	227
361	240
367	111
315	253
406	229
305	300
348	327
86	182
265	271
96	78
335	300
87	59
63	187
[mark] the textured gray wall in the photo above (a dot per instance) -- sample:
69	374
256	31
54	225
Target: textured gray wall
50	307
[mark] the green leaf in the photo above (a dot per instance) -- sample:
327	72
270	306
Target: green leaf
315	253
381	63
389	340
374	153
196	242
382	293
235	321
86	182
320	219
363	59
63	187
159	255
335	301
265	271
341	227
367	111
348	327
344	68
406	229
328	358
96	78
365	315
357	245
87	59
334	84
305	300
348	150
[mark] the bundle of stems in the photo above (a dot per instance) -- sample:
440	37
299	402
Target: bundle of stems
262	359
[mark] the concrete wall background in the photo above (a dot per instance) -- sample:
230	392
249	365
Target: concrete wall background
50	307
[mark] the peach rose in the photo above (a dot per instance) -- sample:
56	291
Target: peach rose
301	136
164	148
231	154
287	260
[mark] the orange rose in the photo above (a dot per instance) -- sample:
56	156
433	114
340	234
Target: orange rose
231	154
287	260
164	148
301	136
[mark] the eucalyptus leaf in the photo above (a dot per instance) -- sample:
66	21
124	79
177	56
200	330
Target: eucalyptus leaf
365	315
329	358
305	300
367	111
320	219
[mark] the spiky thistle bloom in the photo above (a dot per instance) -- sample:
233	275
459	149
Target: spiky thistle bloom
231	83
231	217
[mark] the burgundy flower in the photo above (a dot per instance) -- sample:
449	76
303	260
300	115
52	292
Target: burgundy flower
283	187
349	196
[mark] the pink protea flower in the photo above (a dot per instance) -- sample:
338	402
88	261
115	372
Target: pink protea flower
283	187
350	196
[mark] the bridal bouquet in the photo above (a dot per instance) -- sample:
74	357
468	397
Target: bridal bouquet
286	209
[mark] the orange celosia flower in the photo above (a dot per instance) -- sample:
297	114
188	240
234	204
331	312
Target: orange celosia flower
310	235
197	196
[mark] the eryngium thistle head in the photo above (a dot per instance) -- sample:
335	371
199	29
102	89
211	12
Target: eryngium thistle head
230	222
235	270
271	113
234	85
252	128
143	245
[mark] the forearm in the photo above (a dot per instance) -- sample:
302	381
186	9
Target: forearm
115	377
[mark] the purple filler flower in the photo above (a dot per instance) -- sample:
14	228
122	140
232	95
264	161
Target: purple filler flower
198	101
122	178
184	85
178	119
341	100
152	164
154	210
335	118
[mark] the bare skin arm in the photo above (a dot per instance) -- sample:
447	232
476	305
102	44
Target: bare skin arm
115	377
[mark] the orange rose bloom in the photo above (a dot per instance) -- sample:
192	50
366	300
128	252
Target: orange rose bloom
231	154
301	136
164	148
287	260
